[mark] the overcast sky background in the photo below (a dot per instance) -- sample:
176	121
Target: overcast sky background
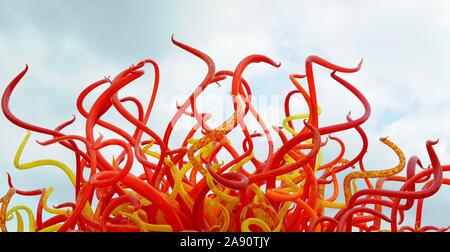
405	46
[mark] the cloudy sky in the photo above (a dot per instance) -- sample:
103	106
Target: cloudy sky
405	46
